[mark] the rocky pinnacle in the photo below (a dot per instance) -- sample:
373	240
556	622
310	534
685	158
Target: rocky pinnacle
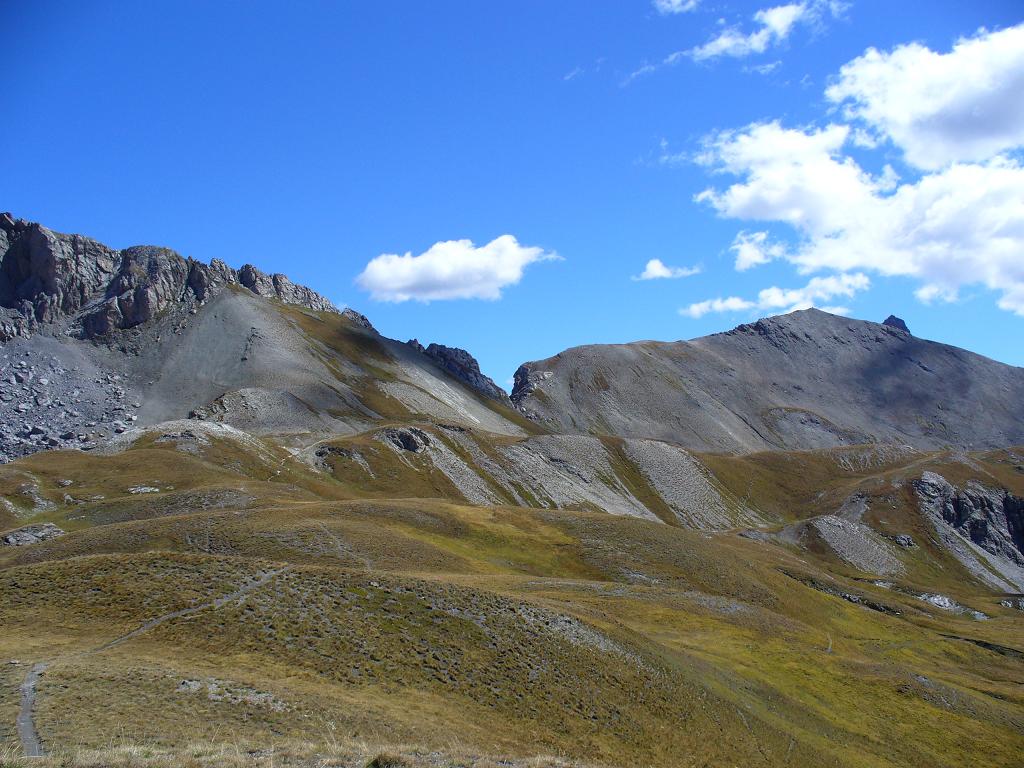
49	278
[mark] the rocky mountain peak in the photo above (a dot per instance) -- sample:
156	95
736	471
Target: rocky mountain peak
803	380
895	322
819	328
49	278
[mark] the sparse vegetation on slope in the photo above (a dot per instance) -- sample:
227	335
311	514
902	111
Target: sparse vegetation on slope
613	639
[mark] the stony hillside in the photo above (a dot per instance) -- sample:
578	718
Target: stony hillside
647	479
803	380
97	340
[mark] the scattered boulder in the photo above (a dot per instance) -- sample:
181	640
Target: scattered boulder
231	693
411	439
947	603
30	534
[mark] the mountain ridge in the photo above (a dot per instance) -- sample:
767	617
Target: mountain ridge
806	379
803	380
49	277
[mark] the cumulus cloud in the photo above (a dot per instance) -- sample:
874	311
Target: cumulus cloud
817	290
956	222
668	7
960	226
940	108
657	270
731	304
453	269
753	249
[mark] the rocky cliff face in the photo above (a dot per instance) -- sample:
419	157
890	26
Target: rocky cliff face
464	367
48	278
983	527
798	381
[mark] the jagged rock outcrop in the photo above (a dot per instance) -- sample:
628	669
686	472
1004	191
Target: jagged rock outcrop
896	322
45	276
464	367
992	518
983	527
358	319
525	381
48	278
406	439
278	286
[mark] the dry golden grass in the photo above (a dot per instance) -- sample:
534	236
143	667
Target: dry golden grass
481	635
328	753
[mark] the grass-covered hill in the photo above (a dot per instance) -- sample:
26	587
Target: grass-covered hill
213	588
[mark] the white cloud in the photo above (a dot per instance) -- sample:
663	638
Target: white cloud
657	270
774	26
731	304
818	289
965	105
764	69
646	69
963	225
453	269
576	72
668	7
753	249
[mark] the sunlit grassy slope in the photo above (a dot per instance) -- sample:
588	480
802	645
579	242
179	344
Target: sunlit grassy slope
306	602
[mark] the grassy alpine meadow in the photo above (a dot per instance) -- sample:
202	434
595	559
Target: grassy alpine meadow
252	605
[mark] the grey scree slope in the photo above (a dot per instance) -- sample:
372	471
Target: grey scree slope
94	341
804	380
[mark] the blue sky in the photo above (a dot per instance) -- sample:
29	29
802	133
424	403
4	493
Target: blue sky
315	139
